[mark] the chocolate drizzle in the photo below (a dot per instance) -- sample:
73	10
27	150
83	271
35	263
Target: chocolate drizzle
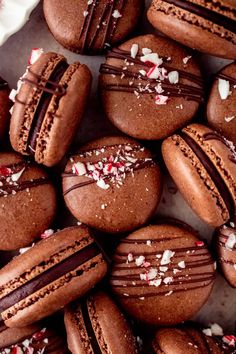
106	22
58	270
147	85
228	144
206	13
3	84
211	170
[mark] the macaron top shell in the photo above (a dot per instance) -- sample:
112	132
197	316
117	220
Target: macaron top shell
221	105
150	87
89	26
160	268
113	184
49	107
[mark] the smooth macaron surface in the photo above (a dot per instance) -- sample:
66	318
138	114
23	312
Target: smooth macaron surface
207	26
48	276
95	324
90	26
48	107
150	87
221	105
160	268
4	107
113	184
28	201
203	165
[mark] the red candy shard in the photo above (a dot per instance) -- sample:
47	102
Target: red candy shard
5	171
199	243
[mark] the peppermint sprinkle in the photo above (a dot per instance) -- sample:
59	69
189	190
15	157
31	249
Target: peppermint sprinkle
139	261
186	59
146	51
231	241
130	257
224	88
156	282
152	58
168	280
166	258
35	54
161	100
134	50
152	274
102	184
90	2
85	13
47	233
16	176
116	14
181	264
229	119
173	77
169	293
216	330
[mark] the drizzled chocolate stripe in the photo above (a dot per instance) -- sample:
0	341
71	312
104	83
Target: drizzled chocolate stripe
205	13
217	136
89	328
228	78
9	189
58	270
212	171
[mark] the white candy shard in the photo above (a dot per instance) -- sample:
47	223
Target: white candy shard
173	77
116	14
224	88
166	257
156	282
186	59
134	50
146	51
79	168
152	58
152	274
207	332
102	184
139	260
181	264
231	241
216	330
35	54
16	176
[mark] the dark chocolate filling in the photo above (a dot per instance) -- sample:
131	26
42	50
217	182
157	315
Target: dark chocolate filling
51	85
207	14
212	171
50	275
89	328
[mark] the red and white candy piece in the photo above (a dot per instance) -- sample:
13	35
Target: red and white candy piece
161	99
34	56
5	171
47	233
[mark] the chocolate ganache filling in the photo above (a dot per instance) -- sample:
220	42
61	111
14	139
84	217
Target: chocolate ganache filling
212	171
67	265
51	88
207	14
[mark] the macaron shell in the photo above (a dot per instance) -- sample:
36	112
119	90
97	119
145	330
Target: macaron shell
63	115
193	181
218	110
9	336
203	35
141	117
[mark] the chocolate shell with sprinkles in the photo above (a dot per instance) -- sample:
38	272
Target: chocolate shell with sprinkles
150	87
28	201
160	268
225	242
113	184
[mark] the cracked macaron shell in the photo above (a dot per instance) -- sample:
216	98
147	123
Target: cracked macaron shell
219	110
203	35
40	258
29	212
191	177
63	113
102	312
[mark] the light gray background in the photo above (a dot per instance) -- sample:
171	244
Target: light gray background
14	54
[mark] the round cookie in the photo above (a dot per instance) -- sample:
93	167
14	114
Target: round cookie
150	87
208	26
4	108
96	325
28	201
226	251
48	276
113	184
160	268
221	105
203	166
48	107
88	27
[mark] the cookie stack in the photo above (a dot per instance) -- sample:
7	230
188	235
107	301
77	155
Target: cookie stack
118	278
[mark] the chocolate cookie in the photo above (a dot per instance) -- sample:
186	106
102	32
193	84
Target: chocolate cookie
89	26
203	166
162	274
4	108
150	87
221	106
113	184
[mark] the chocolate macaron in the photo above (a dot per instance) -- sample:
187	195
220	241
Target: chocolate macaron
4	108
28	201
113	184
162	274
96	325
226	251
49	275
203	166
89	26
150	87
35	338
49	105
209	26
221	105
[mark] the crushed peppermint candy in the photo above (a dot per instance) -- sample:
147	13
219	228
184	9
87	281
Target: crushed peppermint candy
186	59
230	340
224	88
25	249
199	243
231	241
151	58
35	54
161	100
130	257
134	50
16	176
173	77
181	264
139	261
146	51
229	119
168	280
85	13
156	282
166	257
116	14
47	233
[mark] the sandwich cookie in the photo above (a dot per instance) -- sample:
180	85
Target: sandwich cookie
89	26
96	325
4	108
160	268
221	105
28	201
150	87
113	184
226	251
208	26
35	339
203	165
49	275
49	104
